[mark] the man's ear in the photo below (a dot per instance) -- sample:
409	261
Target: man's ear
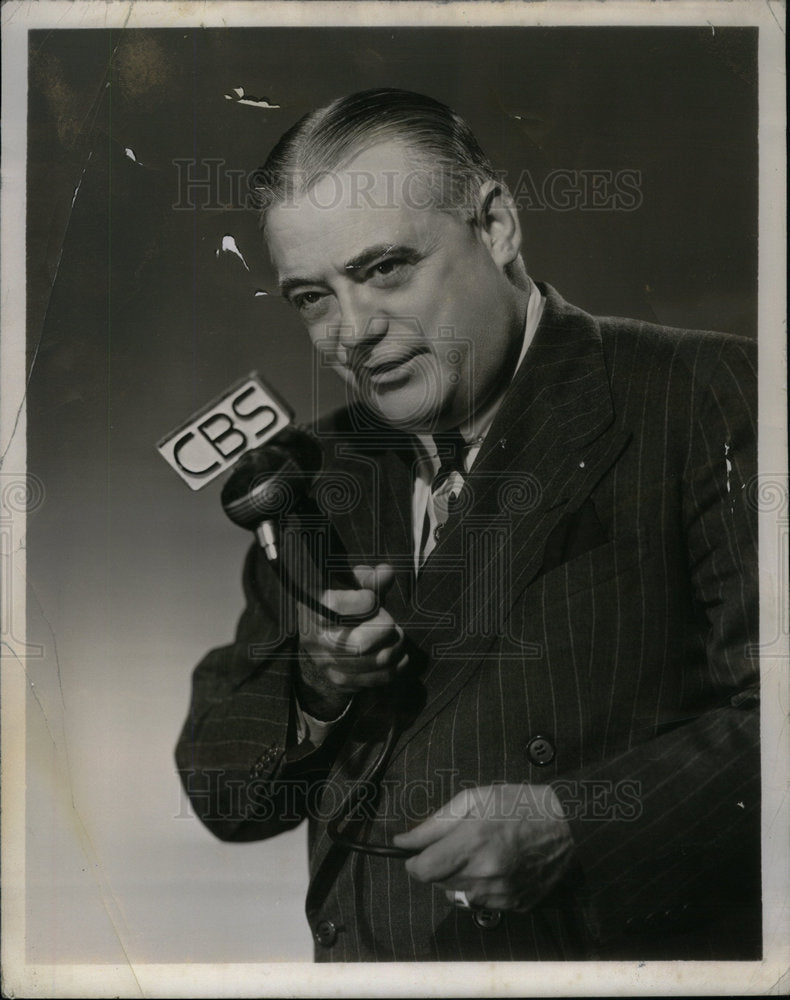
497	221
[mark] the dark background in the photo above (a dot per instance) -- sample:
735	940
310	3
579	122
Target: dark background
134	322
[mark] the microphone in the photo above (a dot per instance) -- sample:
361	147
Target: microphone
269	482
248	428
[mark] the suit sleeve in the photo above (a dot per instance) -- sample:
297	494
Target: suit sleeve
237	756
688	851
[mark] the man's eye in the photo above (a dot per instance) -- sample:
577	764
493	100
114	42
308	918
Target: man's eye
389	270
309	303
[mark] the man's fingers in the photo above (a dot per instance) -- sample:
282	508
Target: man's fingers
477	897
352	679
350	602
356	681
393	655
436	826
367	638
377	643
378	578
361	602
441	860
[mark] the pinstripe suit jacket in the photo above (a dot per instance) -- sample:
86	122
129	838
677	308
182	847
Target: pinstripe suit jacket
589	621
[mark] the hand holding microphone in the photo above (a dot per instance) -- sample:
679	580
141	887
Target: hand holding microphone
370	653
348	641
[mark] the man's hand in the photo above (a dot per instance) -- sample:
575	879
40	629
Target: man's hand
336	661
505	846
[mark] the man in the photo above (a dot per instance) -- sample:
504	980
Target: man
538	738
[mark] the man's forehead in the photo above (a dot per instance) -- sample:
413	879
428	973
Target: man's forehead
331	224
338	234
388	169
385	178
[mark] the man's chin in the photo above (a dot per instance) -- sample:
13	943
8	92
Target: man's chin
408	402
402	412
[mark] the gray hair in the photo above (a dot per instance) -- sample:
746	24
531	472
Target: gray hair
451	162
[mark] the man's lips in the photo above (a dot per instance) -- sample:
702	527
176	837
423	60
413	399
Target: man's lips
387	367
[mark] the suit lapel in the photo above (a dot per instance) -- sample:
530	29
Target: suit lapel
397	541
552	439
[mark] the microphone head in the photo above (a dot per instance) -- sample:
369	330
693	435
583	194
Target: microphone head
269	481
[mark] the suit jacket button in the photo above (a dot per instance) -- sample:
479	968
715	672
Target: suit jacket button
487	919
325	933
266	760
540	751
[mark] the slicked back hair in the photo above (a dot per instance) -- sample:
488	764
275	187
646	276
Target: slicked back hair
445	152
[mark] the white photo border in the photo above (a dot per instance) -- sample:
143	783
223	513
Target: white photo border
408	979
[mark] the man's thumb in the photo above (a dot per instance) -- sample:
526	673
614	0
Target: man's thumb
378	578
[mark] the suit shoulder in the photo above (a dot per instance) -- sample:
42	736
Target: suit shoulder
672	338
634	345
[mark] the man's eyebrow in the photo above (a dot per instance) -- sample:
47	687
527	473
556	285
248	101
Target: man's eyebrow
371	254
288	284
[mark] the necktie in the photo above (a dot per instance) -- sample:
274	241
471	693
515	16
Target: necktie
447	484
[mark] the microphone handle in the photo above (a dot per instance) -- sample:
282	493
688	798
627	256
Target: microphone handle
266	534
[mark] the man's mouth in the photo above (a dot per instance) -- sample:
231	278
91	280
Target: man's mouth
389	368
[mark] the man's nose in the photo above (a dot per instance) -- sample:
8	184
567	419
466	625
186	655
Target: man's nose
361	325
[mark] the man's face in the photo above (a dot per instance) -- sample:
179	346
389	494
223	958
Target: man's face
406	302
